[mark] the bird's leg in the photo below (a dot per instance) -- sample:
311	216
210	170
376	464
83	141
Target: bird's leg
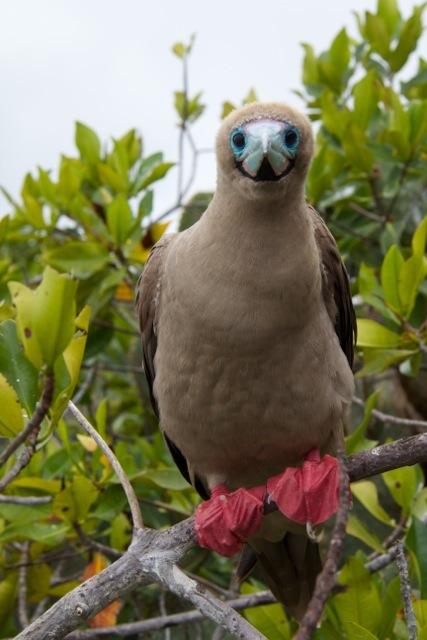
307	494
227	519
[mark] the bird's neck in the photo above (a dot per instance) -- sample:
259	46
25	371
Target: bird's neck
266	228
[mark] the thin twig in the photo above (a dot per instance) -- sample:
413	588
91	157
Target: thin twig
405	590
27	500
35	421
97	546
364	212
382	560
164	612
22	587
28	433
125	368
386	417
87	384
127	487
162	622
117	329
327	577
374	183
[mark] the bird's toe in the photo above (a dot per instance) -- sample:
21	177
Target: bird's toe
309	493
227	519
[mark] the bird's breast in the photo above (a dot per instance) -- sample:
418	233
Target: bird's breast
246	376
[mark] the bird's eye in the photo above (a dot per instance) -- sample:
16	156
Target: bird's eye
291	138
238	140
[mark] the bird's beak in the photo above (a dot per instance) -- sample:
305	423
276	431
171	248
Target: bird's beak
265	158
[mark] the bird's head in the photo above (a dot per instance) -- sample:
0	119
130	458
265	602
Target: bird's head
265	149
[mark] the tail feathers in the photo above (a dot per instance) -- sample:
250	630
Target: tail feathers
290	568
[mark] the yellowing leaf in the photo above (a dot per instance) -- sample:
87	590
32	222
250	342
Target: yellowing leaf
366	492
124	292
87	442
45	317
23	299
11	418
373	334
141	250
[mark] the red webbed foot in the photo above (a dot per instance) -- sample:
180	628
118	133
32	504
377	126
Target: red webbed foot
227	519
309	493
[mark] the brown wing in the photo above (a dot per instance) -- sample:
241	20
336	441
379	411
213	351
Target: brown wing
147	294
147	297
335	287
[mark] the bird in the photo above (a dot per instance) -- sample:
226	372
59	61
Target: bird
248	332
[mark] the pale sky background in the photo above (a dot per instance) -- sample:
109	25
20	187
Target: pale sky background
108	63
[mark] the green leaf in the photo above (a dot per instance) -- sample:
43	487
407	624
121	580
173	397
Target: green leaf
408	39
74	502
157	173
194	208
165	478
48	533
358	530
121	531
38	582
388	10
179	49
419	238
8	593
11	418
378	360
112	178
402	484
419	507
366	492
360	603
412	273
54	311
269	619
373	334
81	259
87	143
119	219
45	317
365	99
416	541
392	603
70	360
390	271
17	370
310	72
227	108
357	632
250	97
356	441
377	34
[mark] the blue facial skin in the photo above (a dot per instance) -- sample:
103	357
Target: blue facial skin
274	140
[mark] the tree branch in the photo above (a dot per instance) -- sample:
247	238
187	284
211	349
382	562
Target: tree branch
31	432
127	487
387	417
22	586
405	590
172	620
327	577
35	421
153	555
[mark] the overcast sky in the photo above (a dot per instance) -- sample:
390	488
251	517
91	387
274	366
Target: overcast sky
108	64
